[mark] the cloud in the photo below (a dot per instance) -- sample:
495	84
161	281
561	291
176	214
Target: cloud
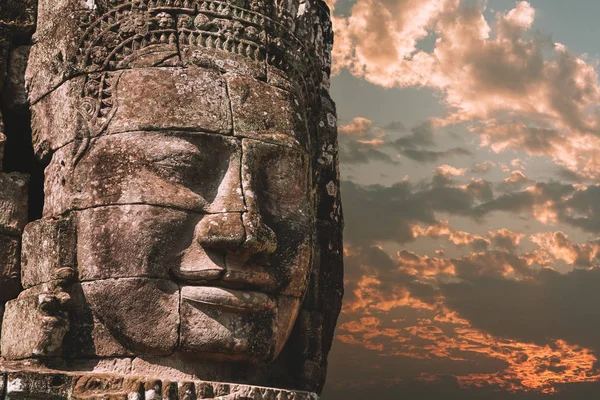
361	142
387	213
506	239
483	168
458	238
448	171
516	177
450	313
559	246
514	87
546	306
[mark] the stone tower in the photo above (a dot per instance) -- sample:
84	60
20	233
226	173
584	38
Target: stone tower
190	242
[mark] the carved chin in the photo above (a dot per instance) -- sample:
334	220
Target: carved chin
233	324
209	322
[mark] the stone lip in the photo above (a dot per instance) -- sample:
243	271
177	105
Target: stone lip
236	300
28	381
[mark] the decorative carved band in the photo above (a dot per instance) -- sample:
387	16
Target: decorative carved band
126	28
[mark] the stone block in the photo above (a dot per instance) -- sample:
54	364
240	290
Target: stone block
227	323
275	181
54	385
88	337
58	118
10	275
142	314
267	113
49	248
131	241
192	99
40	312
235	324
326	174
13	202
197	172
14	94
221	61
25	385
51	57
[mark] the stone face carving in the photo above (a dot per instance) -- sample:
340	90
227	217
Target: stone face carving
192	221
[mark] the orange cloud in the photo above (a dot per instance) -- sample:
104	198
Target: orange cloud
447	171
559	246
516	177
516	89
529	367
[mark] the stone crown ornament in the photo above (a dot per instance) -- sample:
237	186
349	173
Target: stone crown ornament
191	238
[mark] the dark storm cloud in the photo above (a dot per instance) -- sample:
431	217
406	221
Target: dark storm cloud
417	146
429	156
586	207
420	136
395	126
362	142
547	307
387	212
448	388
524	201
354	152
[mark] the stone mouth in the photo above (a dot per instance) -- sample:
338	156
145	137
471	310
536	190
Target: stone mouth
236	275
229	299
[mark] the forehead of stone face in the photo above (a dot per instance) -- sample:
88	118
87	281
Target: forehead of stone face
171	98
265	112
197	172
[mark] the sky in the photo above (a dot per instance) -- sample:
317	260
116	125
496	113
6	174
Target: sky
470	156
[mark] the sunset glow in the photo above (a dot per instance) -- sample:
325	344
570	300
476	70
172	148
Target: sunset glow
470	157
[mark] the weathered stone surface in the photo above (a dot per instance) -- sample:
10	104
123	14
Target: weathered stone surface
326	174
211	58
192	99
142	314
58	118
13	202
261	111
191	185
14	93
9	268
18	16
41	312
33	385
198	172
131	241
279	221
24	385
49	248
88	337
238	324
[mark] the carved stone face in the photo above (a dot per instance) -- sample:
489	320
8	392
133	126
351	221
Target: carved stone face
218	224
240	260
192	168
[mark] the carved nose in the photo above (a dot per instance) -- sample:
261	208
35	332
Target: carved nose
221	231
259	237
233	232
